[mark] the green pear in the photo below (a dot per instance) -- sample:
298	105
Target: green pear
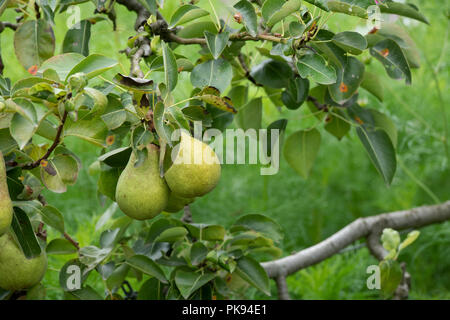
16	271
141	193
195	170
6	208
177	203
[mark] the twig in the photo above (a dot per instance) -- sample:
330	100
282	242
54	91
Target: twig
56	142
72	241
316	102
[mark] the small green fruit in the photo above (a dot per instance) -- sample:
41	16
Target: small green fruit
16	271
6	208
141	193
176	203
195	170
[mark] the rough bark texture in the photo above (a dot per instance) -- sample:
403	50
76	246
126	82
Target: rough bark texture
369	227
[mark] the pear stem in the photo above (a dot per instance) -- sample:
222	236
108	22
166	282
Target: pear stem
187	216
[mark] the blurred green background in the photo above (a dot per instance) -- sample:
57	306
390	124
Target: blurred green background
343	185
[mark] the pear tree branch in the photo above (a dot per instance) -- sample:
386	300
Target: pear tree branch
368	228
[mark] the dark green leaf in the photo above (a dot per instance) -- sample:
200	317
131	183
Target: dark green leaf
77	38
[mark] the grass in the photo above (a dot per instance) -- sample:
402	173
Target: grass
343	184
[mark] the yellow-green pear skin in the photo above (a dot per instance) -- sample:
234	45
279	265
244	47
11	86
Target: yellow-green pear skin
176	203
16	271
141	193
195	170
6	208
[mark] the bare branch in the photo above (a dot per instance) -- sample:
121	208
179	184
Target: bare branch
283	292
142	13
363	227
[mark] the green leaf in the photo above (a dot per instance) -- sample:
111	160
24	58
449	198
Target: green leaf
272	73
380	149
336	126
24	233
216	42
67	167
22	130
296	29
261	224
207	232
77	38
252	272
186	13
286	9
116	279
348	80
390	239
93	66
300	150
213	73
211	96
372	83
249	17
134	84
53	218
391	276
108	181
398	34
296	93
117	158
197	29
62	63
150	5
160	125
51	177
115	119
250	115
190	281
352	42
410	238
170	67
198	253
325	45
60	247
403	9
86	293
7	143
147	266
34	42
350	8
270	7
393	59
315	67
93	131
152	289
172	235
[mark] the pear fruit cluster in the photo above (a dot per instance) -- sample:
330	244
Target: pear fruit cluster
6	208
142	193
16	271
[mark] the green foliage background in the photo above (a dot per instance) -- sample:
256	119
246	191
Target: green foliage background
342	187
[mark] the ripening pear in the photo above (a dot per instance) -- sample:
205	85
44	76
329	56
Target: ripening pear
195	170
6	208
16	271
177	203
141	193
